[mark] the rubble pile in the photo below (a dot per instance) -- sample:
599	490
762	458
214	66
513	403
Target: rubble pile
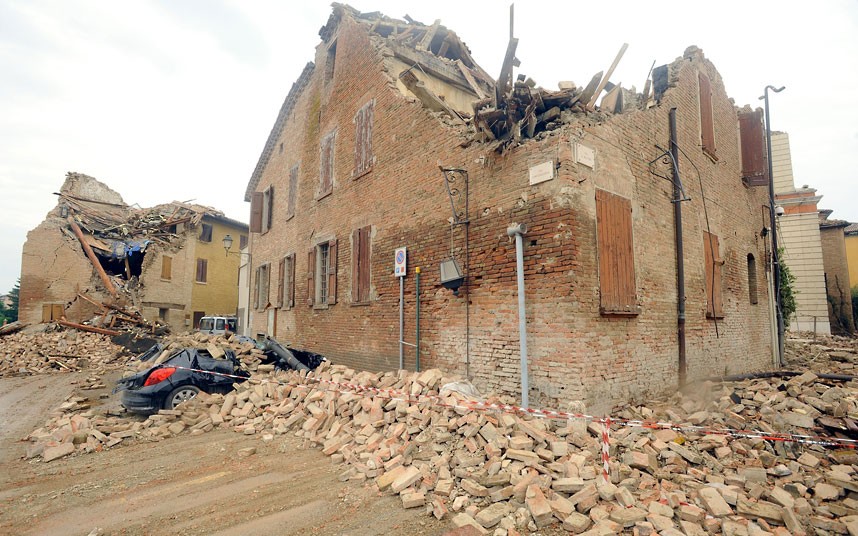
248	354
25	353
504	473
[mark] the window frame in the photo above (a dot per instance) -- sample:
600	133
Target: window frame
707	116
327	157
364	159
713	276
267	209
292	200
317	289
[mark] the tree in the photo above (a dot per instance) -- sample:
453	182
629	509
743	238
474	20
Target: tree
788	292
10	314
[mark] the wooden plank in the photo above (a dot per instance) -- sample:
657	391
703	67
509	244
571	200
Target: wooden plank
601	86
707	122
609	103
590	88
108	284
504	81
471	80
426	96
426	42
88	328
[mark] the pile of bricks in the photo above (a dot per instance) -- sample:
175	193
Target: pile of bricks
25	353
505	474
247	353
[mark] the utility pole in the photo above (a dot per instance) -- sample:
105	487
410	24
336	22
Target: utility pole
776	268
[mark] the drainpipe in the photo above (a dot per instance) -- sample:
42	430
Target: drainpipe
680	257
518	230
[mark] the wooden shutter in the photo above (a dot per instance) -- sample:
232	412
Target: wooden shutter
326	164
365	263
256	212
256	290
166	267
270	192
202	270
616	254
363	139
356	252
755	167
293	192
206	233
46	313
281	282
707	124
311	276
332	272
291	287
714	303
57	311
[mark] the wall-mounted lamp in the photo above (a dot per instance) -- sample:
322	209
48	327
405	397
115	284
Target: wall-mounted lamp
227	243
779	210
451	275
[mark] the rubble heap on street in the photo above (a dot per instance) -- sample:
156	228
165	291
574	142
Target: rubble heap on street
505	473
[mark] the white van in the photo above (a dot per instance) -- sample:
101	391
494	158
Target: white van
217	325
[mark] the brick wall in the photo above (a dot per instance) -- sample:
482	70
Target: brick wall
837	280
574	352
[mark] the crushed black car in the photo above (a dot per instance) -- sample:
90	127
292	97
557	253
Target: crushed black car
166	385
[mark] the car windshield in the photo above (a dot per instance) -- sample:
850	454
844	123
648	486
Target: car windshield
206	323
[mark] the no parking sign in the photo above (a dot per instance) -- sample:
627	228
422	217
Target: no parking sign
400	260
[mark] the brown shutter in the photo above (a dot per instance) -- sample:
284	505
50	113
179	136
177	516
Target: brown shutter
281	282
365	263
256	290
256	212
293	192
311	276
202	267
326	164
714	302
707	125
46	313
616	254
270	207
291	287
267	297
356	234
166	267
332	272
363	139
755	168
57	311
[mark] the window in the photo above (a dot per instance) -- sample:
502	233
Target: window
198	316
242	241
326	164
707	124
52	312
293	192
752	279
206	233
361	267
162	314
166	267
755	170
267	209
714	302
615	247
286	282
363	140
202	270
330	61
261	294
322	274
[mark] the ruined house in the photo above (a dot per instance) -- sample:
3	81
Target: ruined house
832	235
94	256
394	137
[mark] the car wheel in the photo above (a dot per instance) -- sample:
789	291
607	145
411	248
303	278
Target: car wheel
179	395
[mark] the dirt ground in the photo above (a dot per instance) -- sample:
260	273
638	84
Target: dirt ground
182	485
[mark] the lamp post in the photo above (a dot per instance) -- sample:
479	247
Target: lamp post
776	269
227	244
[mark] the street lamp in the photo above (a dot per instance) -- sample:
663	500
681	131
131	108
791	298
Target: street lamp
776	269
227	244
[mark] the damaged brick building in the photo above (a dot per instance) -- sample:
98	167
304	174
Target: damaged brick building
394	137
93	254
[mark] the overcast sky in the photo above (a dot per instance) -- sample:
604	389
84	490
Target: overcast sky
173	100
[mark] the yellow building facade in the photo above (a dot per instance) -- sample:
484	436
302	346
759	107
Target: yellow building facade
852	253
214	290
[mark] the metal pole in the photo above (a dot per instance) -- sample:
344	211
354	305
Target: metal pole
776	269
401	321
680	256
417	335
518	230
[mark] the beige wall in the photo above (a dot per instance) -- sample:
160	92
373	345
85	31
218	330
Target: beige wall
852	258
799	236
782	163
